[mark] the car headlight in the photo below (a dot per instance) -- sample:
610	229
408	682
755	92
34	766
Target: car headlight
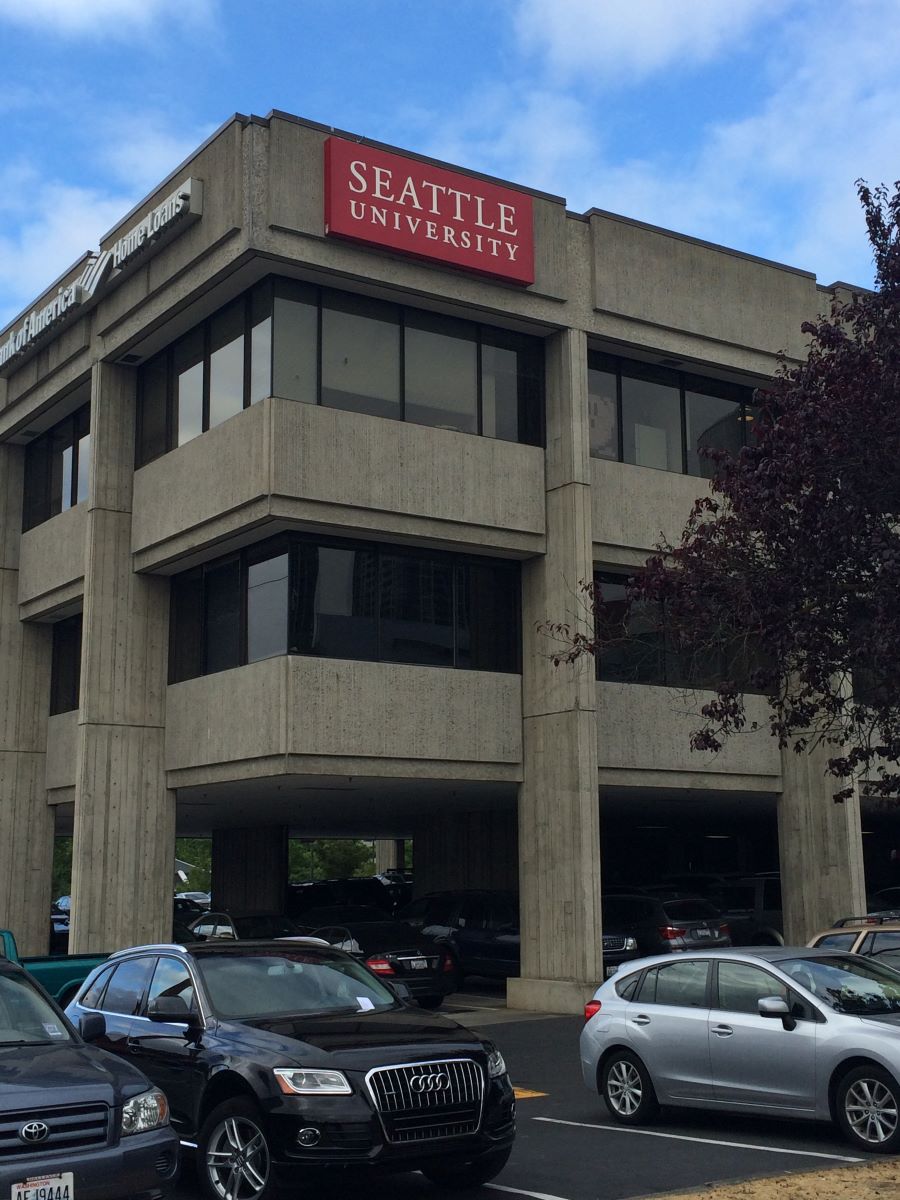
147	1111
496	1065
297	1081
631	943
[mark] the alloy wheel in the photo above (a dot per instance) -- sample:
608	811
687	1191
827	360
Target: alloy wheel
871	1111
624	1087
237	1159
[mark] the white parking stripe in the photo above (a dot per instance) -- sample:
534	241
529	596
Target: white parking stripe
498	1187
681	1137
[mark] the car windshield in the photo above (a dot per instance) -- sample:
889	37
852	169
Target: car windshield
26	1019
296	981
849	984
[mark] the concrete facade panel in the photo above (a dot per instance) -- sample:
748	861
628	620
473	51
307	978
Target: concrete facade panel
51	563
632	506
656	277
62	750
647	729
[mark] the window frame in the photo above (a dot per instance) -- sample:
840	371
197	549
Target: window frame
40	500
683	382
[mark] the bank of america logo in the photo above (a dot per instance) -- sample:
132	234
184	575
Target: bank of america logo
94	273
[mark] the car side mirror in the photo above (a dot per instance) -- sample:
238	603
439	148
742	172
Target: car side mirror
169	1008
775	1006
92	1026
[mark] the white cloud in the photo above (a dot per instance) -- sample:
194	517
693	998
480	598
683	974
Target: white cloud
604	38
138	149
101	18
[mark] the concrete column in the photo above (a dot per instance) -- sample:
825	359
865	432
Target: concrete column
123	854
26	820
388	854
820	848
559	837
250	869
466	850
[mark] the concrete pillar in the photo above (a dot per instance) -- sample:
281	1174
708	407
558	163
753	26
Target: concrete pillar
559	838
466	850
388	854
26	820
250	869
820	848
123	853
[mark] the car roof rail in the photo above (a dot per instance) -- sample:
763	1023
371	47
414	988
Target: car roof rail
879	918
148	946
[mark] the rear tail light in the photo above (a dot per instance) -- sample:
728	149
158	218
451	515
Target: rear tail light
725	929
591	1009
670	932
446	962
380	966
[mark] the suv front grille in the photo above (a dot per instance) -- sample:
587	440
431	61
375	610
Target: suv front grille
71	1128
613	942
423	1101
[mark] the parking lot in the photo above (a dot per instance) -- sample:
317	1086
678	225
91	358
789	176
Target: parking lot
567	1147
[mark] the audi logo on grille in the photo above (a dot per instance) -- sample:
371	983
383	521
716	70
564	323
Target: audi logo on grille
438	1082
34	1131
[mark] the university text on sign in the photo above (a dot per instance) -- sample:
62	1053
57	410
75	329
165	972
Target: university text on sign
428	211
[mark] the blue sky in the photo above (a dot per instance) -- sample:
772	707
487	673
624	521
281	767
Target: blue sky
744	122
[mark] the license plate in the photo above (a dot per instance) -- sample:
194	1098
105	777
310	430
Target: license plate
45	1187
610	970
702	933
418	964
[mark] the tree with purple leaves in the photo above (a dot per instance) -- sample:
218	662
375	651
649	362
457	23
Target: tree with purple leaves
788	573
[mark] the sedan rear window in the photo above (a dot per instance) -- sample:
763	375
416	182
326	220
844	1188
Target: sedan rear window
295	982
690	910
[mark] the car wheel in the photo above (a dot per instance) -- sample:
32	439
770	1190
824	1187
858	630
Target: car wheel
628	1090
233	1158
430	1001
868	1109
471	1173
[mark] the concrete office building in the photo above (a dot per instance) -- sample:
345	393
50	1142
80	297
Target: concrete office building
290	471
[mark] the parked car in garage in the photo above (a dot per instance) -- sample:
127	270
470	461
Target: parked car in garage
237	926
872	935
751	904
320	892
281	1056
390	948
775	1031
74	1122
664	923
481	930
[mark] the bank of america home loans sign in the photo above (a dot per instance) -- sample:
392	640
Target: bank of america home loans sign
387	200
185	200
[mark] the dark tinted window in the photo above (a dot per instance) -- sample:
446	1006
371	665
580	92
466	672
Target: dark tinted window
488	607
57	469
337	594
65	674
186	626
441	372
511	387
127	986
296	336
627	986
267	607
742	986
171	978
603	414
713	422
187	366
681	983
91	998
887	940
360	355
416	610
651	424
226	363
838	941
153	409
222	625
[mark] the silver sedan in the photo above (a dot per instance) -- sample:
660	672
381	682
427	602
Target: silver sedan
777	1030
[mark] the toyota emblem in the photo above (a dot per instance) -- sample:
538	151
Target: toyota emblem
438	1082
34	1131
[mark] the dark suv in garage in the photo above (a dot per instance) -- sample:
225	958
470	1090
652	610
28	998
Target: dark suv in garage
280	1056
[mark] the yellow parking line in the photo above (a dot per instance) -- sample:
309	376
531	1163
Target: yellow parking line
527	1094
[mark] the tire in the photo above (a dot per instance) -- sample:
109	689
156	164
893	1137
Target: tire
232	1127
868	1109
460	1176
628	1090
431	1001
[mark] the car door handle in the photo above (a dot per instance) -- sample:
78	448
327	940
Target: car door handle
723	1030
641	1020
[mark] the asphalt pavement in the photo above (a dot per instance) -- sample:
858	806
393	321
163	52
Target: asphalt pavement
567	1147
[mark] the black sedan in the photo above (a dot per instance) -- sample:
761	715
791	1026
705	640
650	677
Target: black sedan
390	948
281	1056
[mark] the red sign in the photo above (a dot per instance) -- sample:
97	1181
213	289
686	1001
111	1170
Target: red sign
387	200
